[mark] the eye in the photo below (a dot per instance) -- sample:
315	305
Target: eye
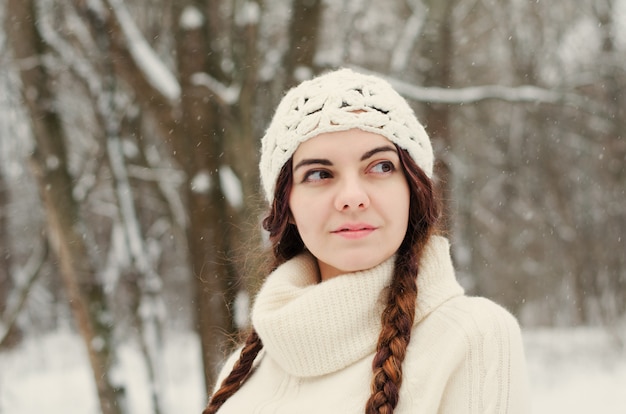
316	175
383	167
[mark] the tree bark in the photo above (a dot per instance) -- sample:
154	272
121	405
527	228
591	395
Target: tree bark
438	47
303	34
199	145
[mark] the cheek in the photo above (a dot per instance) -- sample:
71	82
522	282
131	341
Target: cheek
399	205
299	212
306	213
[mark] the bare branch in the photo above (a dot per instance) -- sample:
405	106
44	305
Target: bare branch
24	279
474	94
226	95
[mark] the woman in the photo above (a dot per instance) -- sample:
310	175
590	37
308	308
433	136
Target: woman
363	312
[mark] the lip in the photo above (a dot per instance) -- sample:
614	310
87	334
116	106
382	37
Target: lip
354	230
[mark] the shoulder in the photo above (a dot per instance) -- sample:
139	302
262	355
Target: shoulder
494	359
488	343
466	327
477	347
473	329
479	316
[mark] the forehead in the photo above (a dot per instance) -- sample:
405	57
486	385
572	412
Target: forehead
353	142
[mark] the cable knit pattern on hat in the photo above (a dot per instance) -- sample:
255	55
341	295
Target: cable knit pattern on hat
339	101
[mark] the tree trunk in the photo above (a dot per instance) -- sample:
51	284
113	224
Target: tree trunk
199	148
303	34
86	296
437	47
613	226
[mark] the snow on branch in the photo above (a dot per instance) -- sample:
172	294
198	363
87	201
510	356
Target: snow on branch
227	94
155	70
473	94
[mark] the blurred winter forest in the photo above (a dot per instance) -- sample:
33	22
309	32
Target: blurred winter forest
129	139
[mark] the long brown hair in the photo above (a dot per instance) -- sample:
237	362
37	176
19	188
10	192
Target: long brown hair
398	315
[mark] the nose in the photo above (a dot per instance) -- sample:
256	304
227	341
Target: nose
351	195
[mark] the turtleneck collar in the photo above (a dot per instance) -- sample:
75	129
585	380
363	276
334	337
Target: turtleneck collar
312	328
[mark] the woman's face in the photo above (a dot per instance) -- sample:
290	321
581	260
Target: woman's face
349	200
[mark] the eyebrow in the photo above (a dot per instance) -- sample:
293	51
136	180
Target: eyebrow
324	161
376	150
311	161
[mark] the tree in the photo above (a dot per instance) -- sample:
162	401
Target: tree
86	294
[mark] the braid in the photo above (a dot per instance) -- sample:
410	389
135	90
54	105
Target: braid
239	374
397	322
399	314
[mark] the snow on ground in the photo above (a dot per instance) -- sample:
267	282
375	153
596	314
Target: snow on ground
572	371
576	371
51	375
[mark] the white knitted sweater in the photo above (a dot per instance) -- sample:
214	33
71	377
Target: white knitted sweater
465	354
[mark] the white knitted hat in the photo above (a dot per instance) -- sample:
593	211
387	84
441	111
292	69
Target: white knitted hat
339	101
